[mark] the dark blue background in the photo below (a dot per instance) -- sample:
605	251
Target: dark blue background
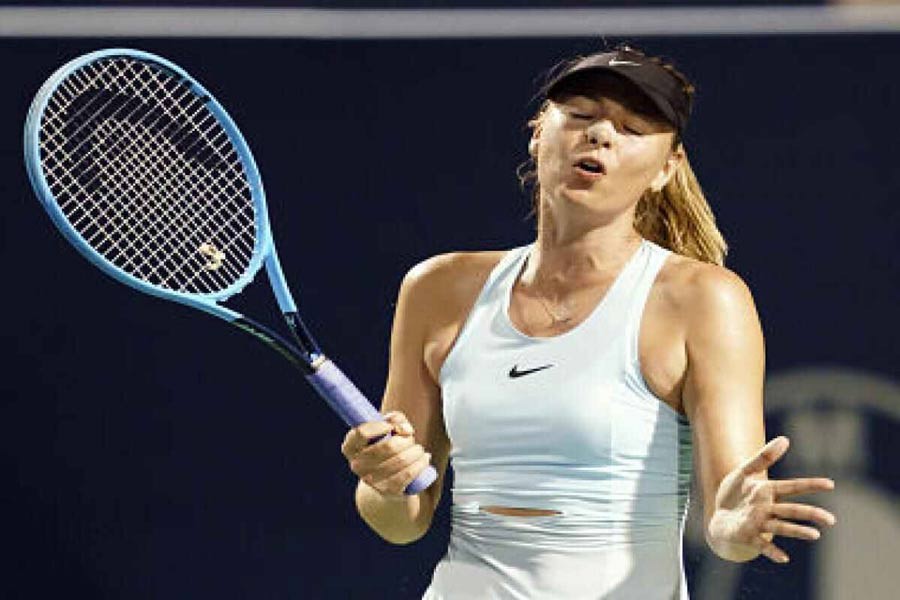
151	452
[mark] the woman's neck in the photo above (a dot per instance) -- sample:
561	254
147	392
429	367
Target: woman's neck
566	257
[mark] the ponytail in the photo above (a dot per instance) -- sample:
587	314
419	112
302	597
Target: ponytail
679	218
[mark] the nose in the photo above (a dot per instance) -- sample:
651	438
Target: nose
599	133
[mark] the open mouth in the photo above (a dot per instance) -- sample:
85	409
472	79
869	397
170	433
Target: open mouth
590	166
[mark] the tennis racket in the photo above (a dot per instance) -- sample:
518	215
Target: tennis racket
144	172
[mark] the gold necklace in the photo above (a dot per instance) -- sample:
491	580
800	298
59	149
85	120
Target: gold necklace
554	316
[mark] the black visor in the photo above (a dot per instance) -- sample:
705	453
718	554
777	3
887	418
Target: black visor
660	86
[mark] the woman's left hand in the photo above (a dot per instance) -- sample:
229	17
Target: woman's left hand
750	511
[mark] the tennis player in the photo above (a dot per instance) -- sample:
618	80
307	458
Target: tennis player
576	382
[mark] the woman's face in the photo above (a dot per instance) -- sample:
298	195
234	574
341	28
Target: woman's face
602	147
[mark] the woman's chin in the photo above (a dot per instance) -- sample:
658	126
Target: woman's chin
584	198
586	204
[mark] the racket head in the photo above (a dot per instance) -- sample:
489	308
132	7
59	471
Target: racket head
86	134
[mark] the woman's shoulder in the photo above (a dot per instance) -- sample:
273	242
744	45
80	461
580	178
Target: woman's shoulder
436	296
696	287
451	276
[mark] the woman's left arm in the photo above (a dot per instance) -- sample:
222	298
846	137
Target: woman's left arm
723	399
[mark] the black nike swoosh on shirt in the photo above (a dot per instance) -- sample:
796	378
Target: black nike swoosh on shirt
515	372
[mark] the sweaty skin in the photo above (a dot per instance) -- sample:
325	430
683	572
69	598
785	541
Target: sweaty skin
700	344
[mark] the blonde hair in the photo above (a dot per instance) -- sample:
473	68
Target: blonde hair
678	217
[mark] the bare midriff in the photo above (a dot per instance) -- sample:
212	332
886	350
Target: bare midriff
519	512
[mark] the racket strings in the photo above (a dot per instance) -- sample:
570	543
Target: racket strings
175	140
155	175
153	169
154	255
149	178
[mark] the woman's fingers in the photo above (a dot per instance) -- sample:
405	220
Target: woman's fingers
394	463
770	550
387	463
756	500
792	530
767	456
395	484
358	438
803	512
804	485
400	423
371	455
368	433
781	525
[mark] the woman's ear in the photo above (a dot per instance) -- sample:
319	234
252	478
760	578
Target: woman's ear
535	125
668	170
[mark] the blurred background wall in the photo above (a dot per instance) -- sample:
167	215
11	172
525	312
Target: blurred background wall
150	452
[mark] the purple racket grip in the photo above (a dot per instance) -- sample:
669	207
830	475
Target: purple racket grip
348	402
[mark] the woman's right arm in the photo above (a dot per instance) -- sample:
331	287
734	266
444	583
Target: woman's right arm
412	405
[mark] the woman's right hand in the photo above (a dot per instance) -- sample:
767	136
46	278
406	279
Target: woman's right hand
388	465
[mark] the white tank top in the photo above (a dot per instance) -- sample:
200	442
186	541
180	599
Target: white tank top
565	423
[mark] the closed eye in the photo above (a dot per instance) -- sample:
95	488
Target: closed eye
588	117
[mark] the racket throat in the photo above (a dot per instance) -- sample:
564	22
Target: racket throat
303	337
305	361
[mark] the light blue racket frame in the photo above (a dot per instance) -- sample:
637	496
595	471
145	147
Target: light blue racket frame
325	377
264	249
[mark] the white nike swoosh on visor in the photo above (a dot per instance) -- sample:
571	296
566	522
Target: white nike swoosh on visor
622	63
